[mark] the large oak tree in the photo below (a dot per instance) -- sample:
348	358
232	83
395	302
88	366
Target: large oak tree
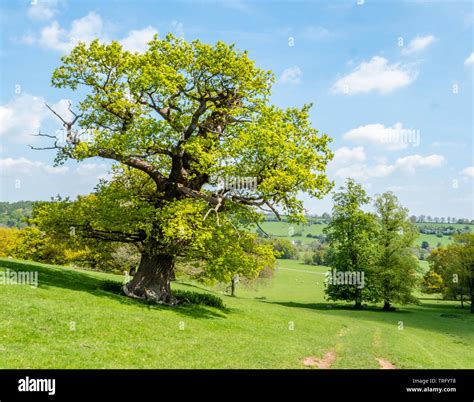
183	122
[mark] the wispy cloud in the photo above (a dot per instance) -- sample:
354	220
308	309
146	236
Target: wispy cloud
291	75
470	60
418	44
23	116
137	40
469	171
43	9
376	75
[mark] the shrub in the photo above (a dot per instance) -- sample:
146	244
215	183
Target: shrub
111	286
432	283
284	248
308	258
207	299
8	241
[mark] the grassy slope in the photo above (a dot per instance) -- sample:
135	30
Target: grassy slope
115	332
281	229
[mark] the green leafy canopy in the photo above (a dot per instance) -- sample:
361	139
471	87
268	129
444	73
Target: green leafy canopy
176	120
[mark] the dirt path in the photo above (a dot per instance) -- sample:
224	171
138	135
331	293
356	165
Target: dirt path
385	364
323	363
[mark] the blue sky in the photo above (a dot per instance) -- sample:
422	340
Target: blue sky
391	82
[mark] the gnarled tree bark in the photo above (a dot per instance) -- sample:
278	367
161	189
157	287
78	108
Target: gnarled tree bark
152	279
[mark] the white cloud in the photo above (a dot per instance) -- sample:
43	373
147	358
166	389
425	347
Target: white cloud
137	40
411	162
291	75
418	44
375	75
22	166
177	28
86	29
470	60
83	29
345	155
391	138
352	162
381	170
24	115
43	9
469	171
23	178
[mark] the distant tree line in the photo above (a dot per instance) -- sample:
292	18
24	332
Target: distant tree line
435	219
15	214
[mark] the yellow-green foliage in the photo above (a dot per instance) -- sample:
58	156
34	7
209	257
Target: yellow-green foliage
8	241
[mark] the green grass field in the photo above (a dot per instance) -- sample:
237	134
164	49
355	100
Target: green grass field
69	322
282	230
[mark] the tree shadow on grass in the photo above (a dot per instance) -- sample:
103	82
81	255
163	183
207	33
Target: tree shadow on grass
80	281
440	317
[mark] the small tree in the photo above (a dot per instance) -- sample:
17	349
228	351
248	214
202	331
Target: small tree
432	283
284	248
320	255
351	236
395	271
455	265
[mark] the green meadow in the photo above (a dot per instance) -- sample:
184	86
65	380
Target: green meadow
70	321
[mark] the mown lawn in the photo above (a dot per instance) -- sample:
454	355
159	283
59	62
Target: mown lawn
69	322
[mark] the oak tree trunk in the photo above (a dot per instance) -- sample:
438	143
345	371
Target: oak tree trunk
386	305
358	300
152	279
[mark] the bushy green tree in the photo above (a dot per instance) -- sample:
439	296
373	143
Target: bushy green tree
321	255
181	121
432	283
351	236
284	248
454	263
394	274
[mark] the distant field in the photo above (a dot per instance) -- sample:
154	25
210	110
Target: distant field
282	229
69	322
